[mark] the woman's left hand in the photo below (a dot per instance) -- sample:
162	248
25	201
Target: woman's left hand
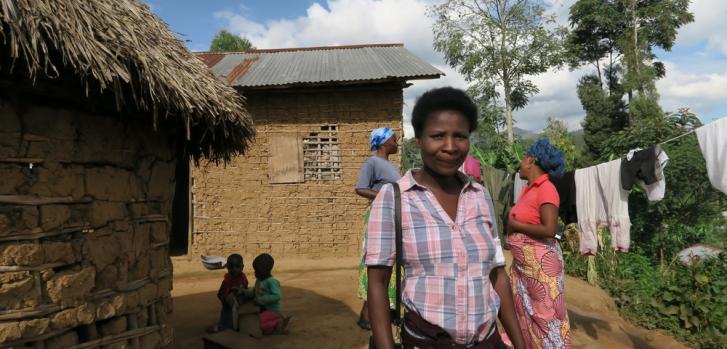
511	223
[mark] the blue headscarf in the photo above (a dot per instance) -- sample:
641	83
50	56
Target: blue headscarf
379	136
548	157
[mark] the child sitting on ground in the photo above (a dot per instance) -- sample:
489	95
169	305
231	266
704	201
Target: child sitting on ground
266	294
234	283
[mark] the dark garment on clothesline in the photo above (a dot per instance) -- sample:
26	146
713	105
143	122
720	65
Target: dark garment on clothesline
641	166
566	187
499	184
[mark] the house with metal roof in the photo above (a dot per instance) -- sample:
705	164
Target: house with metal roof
292	193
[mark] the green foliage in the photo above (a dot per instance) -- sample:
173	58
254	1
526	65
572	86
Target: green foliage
596	24
605	114
410	156
692	301
225	41
617	38
688	301
498	46
625	31
488	143
648	284
557	133
652	127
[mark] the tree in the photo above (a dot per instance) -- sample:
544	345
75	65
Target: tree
488	143
410	156
225	41
497	45
605	114
617	38
557	133
620	35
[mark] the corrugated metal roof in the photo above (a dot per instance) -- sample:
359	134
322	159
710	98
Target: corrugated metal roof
281	67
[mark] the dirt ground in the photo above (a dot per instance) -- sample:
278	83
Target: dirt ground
321	296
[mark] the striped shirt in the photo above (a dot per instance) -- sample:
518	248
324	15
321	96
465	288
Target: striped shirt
447	263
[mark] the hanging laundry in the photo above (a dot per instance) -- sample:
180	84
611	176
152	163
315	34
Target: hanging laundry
630	154
590	209
639	165
499	184
566	187
712	139
471	167
616	202
518	185
656	190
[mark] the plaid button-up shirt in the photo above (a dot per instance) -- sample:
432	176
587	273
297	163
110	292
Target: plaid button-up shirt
447	263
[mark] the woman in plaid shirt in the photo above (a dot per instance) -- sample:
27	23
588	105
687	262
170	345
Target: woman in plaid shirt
455	285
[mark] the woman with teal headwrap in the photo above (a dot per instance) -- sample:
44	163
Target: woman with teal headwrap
375	172
537	272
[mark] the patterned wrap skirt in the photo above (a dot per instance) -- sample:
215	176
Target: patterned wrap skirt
537	284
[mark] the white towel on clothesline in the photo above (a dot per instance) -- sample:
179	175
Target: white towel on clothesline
712	139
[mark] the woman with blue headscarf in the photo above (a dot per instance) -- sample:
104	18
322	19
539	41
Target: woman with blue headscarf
537	266
375	172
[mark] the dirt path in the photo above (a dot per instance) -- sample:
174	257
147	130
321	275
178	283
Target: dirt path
321	296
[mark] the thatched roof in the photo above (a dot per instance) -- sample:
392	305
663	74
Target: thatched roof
123	48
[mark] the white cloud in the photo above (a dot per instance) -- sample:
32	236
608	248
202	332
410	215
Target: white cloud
347	22
559	8
708	25
343	22
718	43
698	91
557	98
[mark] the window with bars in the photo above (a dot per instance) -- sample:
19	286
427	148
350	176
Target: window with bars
322	155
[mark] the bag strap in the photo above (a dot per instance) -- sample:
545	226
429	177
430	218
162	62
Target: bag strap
399	255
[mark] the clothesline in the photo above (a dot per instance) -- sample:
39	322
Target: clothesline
680	136
598	195
688	132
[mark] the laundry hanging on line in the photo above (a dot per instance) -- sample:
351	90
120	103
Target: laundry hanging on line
566	187
499	184
645	167
597	196
712	140
603	193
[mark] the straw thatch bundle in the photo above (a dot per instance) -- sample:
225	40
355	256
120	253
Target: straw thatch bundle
124	49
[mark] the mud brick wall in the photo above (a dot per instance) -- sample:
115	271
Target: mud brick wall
85	201
236	209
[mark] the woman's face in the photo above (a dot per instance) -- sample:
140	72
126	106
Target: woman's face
526	164
392	147
444	142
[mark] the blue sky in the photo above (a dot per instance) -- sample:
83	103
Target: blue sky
696	68
195	20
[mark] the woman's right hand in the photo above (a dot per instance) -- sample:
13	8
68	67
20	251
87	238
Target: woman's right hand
378	300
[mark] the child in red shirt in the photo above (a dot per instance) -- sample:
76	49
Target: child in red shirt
234	281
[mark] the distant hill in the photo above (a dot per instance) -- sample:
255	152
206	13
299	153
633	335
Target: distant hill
527	135
524	134
577	136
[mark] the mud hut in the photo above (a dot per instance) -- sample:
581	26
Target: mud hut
314	108
101	108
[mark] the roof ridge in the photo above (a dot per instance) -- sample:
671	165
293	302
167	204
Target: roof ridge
298	49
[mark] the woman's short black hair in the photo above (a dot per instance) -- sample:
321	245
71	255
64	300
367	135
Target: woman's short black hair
443	98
